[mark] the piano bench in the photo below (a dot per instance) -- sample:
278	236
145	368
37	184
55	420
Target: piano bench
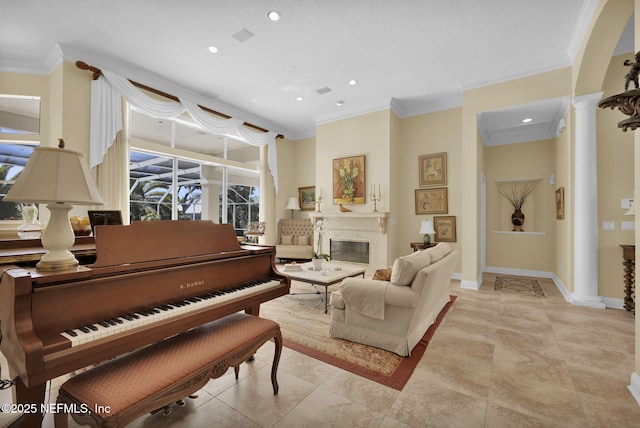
119	391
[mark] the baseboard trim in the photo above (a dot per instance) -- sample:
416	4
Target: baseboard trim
634	386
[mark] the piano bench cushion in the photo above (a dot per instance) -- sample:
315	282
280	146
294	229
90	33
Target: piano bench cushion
158	375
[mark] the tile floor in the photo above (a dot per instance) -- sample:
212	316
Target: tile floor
498	360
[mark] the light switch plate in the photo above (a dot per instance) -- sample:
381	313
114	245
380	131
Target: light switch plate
628	225
608	225
625	204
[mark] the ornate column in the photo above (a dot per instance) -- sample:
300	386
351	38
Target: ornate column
585	290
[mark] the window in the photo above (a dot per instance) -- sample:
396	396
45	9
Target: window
13	158
178	171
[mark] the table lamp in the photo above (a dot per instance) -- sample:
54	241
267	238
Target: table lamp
58	178
426	228
293	205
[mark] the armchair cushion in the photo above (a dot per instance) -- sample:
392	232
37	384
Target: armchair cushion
303	240
405	268
286	239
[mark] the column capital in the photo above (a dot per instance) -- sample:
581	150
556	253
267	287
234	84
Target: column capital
587	99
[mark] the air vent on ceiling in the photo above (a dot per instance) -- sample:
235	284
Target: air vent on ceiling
323	90
243	35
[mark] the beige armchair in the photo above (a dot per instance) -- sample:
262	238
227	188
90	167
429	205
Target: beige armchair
395	314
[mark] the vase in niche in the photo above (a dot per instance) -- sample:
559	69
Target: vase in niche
30	227
517	219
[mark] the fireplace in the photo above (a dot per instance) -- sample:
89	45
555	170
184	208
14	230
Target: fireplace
349	251
364	229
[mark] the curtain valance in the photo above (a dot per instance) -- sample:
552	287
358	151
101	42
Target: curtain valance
106	118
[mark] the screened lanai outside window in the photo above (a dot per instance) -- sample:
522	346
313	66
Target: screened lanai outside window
13	158
178	171
151	190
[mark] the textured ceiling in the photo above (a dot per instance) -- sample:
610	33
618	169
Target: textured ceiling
413	55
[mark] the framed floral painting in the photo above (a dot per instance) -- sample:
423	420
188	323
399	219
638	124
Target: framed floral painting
348	180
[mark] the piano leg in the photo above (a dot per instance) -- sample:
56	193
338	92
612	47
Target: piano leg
33	397
253	310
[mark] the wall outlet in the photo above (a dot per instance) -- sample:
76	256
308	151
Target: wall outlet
608	225
625	204
628	225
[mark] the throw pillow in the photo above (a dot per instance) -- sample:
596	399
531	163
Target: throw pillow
303	240
286	240
383	274
405	268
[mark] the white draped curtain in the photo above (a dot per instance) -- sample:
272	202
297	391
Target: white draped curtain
106	118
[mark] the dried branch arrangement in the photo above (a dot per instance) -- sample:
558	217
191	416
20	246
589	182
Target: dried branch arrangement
517	196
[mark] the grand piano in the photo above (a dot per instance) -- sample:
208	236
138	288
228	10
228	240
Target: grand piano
149	281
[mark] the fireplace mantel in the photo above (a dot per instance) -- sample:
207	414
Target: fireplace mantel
380	216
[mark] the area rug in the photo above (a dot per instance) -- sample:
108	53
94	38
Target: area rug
524	286
305	329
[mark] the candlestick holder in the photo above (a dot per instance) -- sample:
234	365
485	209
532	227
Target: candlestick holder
318	203
375	198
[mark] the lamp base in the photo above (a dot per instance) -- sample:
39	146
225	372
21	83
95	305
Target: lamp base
57	238
426	239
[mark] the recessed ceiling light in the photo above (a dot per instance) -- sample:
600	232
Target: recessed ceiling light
299	99
339	102
353	82
213	49
274	15
527	120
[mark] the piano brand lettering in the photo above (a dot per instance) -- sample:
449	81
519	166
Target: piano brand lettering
191	284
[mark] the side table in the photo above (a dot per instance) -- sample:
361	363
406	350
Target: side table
422	246
629	256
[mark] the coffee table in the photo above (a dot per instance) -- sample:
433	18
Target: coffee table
330	274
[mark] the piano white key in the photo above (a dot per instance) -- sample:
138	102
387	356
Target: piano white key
79	337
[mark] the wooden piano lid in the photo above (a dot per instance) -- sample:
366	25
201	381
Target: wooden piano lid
153	241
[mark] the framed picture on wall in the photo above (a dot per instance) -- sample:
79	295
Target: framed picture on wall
433	169
307	198
348	180
560	203
432	201
445	227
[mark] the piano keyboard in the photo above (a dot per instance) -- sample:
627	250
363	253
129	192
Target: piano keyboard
88	333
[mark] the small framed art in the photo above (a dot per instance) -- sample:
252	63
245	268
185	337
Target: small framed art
432	201
433	169
560	203
445	227
307	198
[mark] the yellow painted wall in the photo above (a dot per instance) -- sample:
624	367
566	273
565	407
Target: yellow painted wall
533	162
615	181
368	135
421	135
563	161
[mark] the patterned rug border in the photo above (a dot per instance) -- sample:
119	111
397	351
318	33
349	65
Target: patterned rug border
398	379
537	290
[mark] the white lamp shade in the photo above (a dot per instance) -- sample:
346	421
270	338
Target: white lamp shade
54	175
293	204
426	228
